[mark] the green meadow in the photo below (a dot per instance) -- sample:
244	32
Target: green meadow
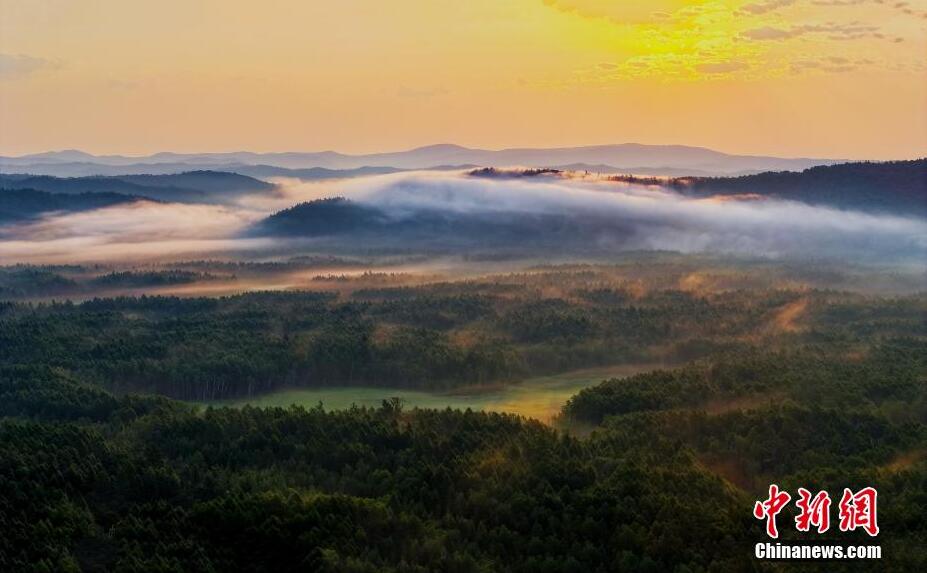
539	397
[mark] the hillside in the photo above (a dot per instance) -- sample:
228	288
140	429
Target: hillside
209	182
19	204
188	187
440	228
322	217
894	186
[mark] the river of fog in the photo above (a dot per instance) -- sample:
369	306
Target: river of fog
649	219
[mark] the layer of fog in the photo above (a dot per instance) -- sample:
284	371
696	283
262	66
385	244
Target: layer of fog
658	219
649	219
130	232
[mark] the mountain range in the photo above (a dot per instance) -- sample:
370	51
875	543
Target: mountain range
629	157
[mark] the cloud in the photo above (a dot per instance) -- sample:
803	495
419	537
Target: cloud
16	66
903	7
832	64
765	6
768	33
721	67
625	11
832	30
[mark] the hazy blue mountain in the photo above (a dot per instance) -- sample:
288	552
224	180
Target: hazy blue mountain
317	173
67	155
310	173
623	156
19	204
189	187
88	169
628	156
84	169
654	171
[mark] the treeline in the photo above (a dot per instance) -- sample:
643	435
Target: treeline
26	281
23	204
891	371
432	337
188	187
892	186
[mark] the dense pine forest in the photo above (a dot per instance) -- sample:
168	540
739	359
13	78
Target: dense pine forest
109	460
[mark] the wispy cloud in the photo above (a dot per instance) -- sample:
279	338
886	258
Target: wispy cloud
721	67
833	64
904	7
625	11
766	6
748	39
16	66
830	30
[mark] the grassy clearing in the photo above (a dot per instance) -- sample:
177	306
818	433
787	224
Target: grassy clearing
540	398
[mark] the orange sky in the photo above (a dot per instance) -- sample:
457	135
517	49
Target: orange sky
824	78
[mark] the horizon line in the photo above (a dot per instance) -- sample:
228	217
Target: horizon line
443	144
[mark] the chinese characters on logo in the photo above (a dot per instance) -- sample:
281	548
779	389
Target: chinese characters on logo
857	510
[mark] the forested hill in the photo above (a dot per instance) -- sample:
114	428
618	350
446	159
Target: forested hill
19	204
893	186
338	216
190	187
441	228
205	181
321	217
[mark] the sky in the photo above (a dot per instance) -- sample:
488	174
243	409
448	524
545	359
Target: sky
813	78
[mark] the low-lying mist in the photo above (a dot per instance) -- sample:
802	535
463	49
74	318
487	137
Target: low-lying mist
610	216
635	217
129	232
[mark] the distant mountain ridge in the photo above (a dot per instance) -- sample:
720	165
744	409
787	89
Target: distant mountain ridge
676	158
260	171
189	187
